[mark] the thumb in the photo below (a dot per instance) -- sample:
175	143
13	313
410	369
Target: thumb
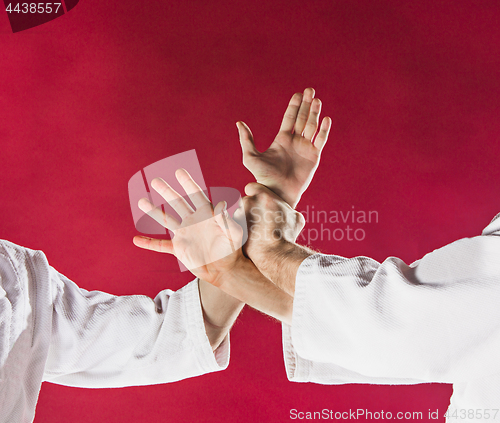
228	226
219	208
254	188
246	139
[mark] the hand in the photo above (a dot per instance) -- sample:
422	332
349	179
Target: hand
273	225
213	254
273	228
207	241
288	165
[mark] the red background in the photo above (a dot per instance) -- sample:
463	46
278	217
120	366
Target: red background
92	97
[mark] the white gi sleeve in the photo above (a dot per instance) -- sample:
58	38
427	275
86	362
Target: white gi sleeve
102	340
54	331
437	320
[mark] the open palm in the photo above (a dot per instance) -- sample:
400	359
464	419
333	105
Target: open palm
207	241
288	165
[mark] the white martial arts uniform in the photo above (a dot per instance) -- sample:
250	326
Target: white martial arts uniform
51	330
437	320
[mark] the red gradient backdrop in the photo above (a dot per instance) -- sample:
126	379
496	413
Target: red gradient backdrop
92	97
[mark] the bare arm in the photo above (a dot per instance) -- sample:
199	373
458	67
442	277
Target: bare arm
281	262
220	311
246	283
274	227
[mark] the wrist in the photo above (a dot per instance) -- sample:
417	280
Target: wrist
229	281
219	311
282	263
224	327
269	255
250	286
225	281
282	190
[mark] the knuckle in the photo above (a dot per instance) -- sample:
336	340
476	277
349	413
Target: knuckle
300	219
248	202
266	199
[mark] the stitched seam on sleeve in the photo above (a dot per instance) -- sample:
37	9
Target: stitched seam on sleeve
33	277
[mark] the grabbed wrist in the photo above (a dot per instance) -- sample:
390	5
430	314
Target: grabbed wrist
264	252
225	280
281	189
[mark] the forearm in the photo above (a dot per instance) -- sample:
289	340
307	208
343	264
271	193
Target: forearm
273	229
250	286
281	262
220	311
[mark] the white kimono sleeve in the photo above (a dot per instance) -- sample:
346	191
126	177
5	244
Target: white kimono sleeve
54	331
437	320
102	340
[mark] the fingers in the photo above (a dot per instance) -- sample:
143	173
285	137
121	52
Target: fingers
246	139
324	130
175	200
159	245
254	188
290	116
264	196
303	113
192	189
313	120
162	218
